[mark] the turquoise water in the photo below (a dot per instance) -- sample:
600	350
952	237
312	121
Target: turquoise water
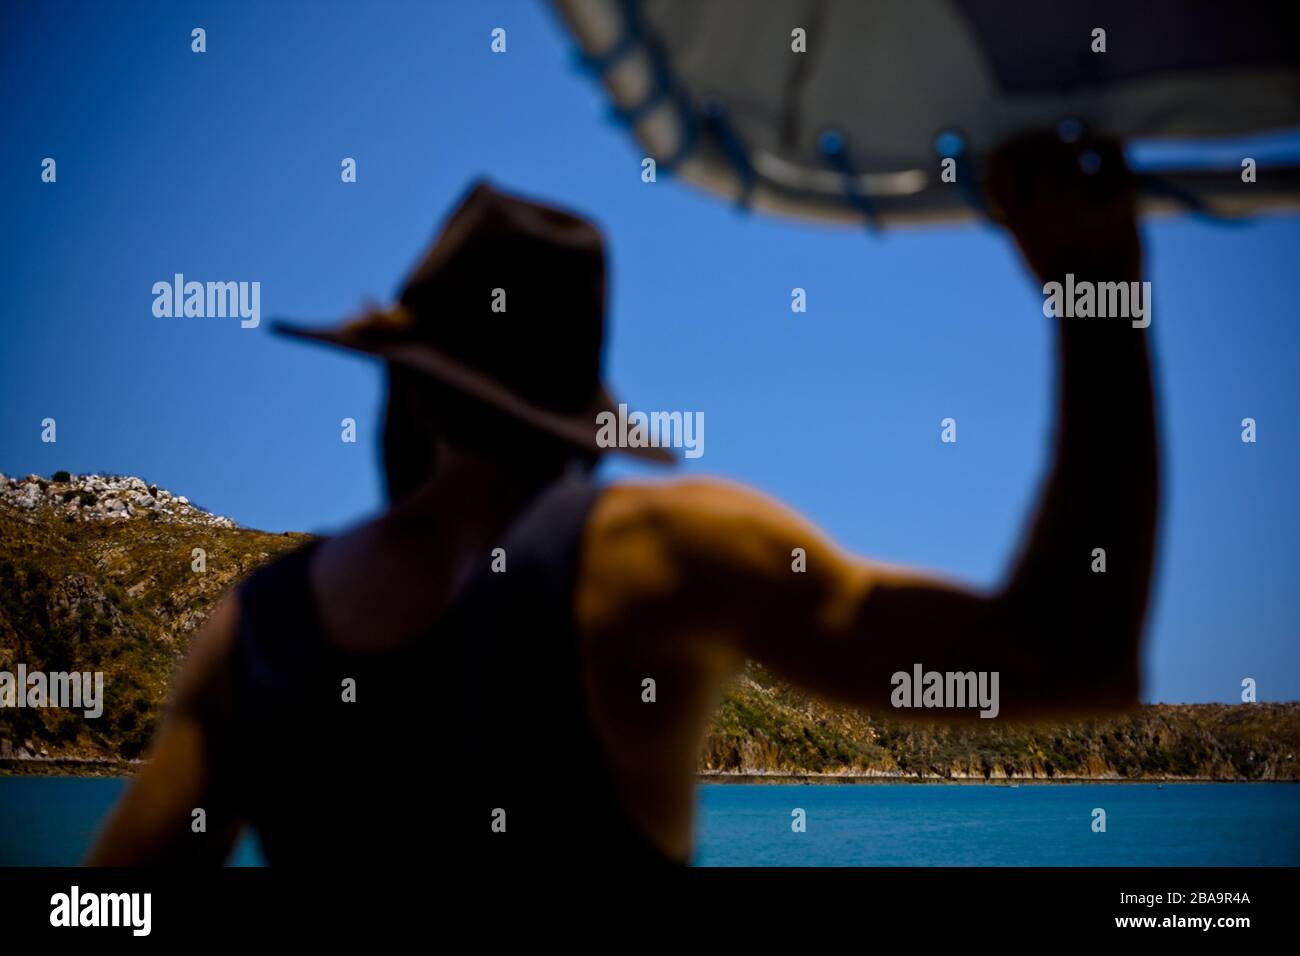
1043	825
49	821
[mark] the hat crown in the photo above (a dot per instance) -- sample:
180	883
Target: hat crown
516	290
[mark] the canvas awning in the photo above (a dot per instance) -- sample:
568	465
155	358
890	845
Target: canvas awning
855	127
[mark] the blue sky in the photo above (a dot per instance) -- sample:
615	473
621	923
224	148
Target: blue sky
226	166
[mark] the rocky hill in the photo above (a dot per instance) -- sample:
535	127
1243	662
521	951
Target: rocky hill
97	573
766	727
93	497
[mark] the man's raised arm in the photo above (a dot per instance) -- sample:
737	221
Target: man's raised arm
717	565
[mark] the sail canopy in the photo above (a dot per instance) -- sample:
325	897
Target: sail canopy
846	109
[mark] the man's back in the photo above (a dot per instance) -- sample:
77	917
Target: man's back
468	741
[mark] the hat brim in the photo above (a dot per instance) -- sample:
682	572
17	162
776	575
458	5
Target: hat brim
578	430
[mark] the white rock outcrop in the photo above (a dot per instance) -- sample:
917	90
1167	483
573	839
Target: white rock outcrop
104	497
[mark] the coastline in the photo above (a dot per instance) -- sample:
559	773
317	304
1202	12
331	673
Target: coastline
68	767
845	779
105	767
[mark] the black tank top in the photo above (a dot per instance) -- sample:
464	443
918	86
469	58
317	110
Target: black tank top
472	746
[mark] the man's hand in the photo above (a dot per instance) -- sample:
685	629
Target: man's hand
1071	206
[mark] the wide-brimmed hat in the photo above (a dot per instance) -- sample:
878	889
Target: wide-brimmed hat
508	307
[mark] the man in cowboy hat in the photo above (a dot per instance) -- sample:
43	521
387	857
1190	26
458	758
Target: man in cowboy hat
503	619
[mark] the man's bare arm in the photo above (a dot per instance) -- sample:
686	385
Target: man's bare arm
713	563
152	823
1101	501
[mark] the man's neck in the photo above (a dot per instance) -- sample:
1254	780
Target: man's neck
467	497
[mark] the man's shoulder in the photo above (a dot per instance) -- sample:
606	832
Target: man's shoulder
656	540
681	513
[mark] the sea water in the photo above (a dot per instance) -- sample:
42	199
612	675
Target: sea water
50	821
1235	824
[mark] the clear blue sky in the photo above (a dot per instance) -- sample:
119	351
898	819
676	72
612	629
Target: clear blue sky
225	166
